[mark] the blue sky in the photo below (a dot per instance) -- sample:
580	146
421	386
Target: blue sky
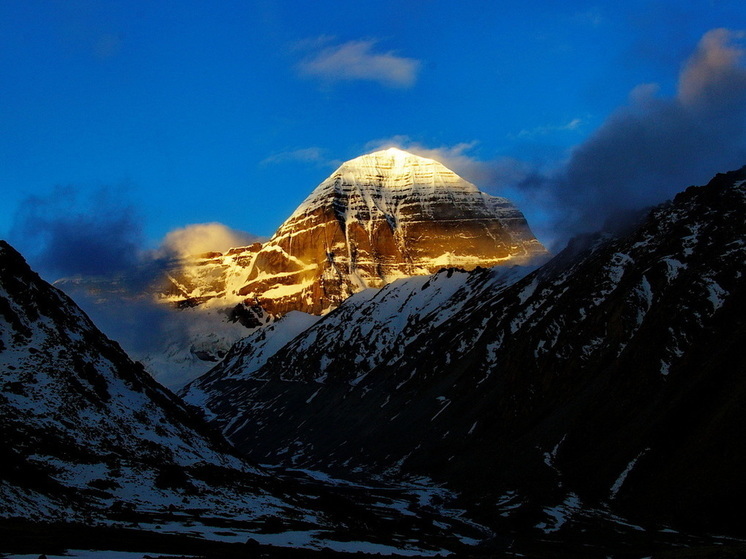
133	118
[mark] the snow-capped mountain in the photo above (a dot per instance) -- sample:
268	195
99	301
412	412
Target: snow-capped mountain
377	218
607	381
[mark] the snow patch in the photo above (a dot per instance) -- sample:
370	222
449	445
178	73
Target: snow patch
623	476
560	514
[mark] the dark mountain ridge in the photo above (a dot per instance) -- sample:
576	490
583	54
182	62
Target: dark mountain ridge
608	381
596	400
83	426
98	454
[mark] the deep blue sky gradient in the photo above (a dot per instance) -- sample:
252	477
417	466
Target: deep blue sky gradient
193	112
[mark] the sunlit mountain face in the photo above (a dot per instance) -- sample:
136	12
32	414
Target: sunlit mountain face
380	217
589	402
377	218
595	394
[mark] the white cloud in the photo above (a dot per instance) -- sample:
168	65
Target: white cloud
356	60
205	237
574	124
316	155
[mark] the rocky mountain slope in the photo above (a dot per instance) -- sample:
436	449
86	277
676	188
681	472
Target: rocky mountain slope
606	382
92	442
86	430
379	217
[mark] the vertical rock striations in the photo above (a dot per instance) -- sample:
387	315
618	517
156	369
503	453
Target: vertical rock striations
608	379
379	217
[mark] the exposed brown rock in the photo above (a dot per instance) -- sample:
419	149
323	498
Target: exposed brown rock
379	217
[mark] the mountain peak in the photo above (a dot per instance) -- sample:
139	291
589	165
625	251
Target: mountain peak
391	152
398	158
392	162
386	180
378	217
386	215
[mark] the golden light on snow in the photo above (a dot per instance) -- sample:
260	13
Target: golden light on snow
204	237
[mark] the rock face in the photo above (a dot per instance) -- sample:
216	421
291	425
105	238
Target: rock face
379	217
608	381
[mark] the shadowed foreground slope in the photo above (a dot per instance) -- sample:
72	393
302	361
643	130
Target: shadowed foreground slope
609	381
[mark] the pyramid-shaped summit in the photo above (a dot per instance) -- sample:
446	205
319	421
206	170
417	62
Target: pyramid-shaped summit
378	217
385	178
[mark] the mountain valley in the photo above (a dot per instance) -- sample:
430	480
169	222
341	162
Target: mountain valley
92	441
414	376
607	378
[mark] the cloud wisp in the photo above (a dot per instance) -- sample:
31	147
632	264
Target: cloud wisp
359	61
314	155
574	124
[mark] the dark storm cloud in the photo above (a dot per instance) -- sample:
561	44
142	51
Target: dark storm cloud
69	233
654	147
92	246
93	243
